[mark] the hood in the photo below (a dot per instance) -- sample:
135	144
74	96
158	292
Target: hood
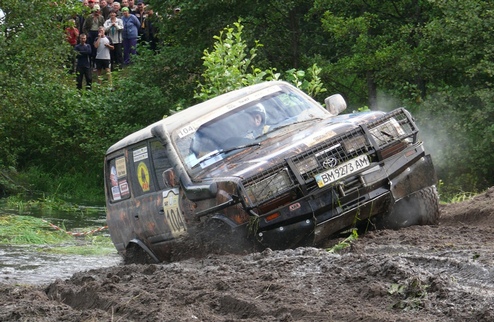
281	144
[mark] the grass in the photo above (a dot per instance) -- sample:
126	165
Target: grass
27	230
453	194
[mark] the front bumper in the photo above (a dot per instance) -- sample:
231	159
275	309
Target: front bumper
325	212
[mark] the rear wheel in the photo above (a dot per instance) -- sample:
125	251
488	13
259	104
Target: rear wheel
419	208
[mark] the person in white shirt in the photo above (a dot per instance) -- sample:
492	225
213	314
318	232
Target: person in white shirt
103	47
113	28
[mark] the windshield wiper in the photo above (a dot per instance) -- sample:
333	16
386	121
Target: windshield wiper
284	125
215	153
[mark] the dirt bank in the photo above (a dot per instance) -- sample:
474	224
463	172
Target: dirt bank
427	273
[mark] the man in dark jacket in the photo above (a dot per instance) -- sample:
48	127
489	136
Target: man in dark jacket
83	62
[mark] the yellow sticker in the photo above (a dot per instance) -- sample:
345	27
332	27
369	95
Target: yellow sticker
143	176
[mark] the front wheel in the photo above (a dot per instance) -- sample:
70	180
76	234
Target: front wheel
419	208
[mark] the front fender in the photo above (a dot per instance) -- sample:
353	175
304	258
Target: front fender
417	176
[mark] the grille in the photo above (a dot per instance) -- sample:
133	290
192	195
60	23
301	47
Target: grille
378	139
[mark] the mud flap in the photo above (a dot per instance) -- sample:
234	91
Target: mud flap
137	252
418	176
298	234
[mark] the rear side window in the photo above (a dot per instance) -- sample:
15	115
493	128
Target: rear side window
118	179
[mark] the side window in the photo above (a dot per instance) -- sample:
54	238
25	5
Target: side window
161	163
117	178
143	180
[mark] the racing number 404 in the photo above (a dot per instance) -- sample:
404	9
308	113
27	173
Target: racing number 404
173	215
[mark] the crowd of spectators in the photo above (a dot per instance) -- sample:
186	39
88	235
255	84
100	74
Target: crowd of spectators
126	23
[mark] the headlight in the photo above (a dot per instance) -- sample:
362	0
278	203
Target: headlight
387	132
269	186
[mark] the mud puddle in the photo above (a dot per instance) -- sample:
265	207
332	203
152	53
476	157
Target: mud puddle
31	265
37	265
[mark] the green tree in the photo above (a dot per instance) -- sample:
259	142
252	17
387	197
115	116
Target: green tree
435	57
230	66
46	125
432	56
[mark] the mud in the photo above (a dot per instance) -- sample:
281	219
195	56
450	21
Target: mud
421	273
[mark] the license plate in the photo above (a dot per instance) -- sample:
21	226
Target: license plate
342	170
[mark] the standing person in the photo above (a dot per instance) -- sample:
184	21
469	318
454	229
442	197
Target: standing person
105	9
72	34
91	25
124	3
114	27
132	6
150	31
83	68
141	15
116	6
131	26
103	47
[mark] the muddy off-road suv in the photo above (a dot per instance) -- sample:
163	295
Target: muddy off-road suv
264	166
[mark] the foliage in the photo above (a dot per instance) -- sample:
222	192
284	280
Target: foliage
47	126
431	56
345	243
413	294
434	57
229	67
46	204
90	245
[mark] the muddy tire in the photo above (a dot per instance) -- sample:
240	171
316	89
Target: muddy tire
419	208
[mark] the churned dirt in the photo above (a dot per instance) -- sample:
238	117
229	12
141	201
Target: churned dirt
421	273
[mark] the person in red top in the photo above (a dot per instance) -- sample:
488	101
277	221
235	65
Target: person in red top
72	34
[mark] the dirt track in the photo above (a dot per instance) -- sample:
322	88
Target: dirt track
426	273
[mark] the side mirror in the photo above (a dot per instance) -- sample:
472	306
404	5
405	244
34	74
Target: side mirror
335	104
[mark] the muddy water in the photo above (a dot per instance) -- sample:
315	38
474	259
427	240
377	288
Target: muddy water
36	265
27	265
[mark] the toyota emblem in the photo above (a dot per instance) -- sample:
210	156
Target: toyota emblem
330	163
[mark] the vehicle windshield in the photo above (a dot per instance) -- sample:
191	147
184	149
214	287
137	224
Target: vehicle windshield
241	123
